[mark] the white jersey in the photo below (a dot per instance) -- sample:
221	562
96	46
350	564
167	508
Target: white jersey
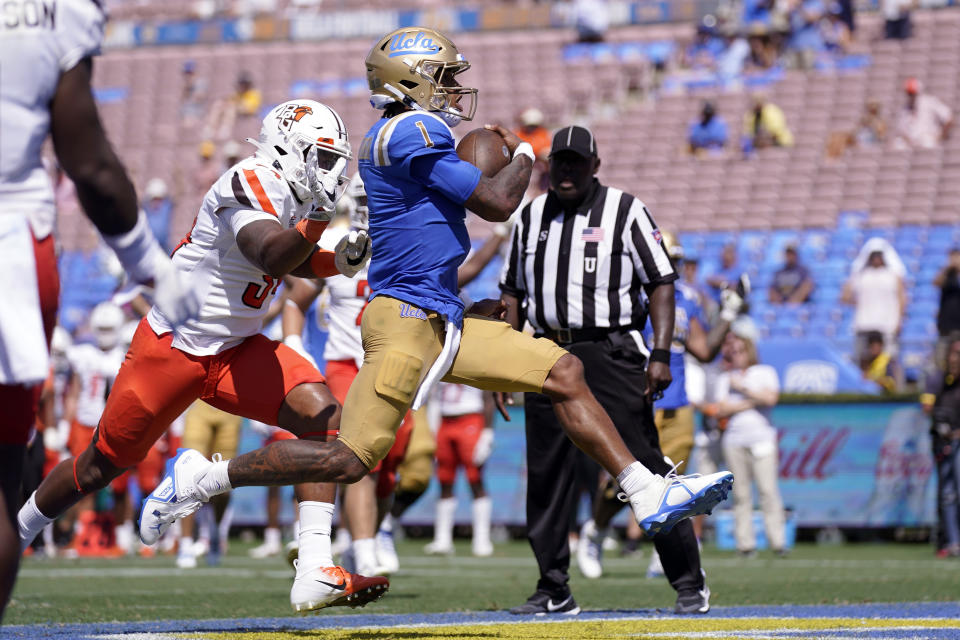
236	294
96	370
348	298
459	399
39	40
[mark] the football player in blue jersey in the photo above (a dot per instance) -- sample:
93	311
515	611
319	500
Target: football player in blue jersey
415	331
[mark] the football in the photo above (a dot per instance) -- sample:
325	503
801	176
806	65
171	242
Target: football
484	149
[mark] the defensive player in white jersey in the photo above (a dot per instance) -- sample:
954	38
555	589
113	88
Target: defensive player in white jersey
260	221
45	53
464	439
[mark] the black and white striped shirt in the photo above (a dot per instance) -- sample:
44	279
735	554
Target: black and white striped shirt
585	269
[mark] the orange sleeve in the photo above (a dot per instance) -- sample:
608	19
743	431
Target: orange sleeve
322	264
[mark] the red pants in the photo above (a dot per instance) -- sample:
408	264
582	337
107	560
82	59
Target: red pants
455	442
19	401
340	375
157	383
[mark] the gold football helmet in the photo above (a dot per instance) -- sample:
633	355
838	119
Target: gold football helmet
672	245
416	67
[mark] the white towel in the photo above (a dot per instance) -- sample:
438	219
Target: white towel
451	345
23	345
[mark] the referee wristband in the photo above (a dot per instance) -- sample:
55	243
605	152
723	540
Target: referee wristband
524	149
660	355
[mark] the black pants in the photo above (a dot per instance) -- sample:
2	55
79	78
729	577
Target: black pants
614	370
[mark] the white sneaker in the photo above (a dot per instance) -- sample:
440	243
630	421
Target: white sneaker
655	568
481	548
178	494
436	549
334	587
590	551
387	558
673	498
348	560
186	559
266	550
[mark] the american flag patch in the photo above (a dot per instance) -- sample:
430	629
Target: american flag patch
592	234
657	235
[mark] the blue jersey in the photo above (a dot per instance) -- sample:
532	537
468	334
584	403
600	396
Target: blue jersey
688	308
416	186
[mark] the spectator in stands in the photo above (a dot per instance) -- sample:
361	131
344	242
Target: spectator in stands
591	18
709	133
876	290
872	129
243	104
942	403
206	172
764	125
745	394
764	49
728	274
703	52
159	209
531	130
924	121
193	98
806	37
791	283
896	14
837	36
731	61
948	316
879	365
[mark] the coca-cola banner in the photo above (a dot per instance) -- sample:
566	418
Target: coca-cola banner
856	465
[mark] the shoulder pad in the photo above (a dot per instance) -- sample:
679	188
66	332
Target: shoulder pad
410	134
252	184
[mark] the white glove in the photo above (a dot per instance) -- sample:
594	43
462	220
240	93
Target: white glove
261	429
483	448
55	438
352	252
733	300
173	295
295	342
324	187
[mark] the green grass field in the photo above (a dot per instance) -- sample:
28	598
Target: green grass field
95	590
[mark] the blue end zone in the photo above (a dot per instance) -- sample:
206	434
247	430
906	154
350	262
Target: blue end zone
949	610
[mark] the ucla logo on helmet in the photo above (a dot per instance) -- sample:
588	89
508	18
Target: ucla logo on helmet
400	45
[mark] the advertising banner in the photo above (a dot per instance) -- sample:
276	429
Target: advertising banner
848	465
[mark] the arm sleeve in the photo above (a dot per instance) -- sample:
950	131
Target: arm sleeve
511	281
650	260
80	32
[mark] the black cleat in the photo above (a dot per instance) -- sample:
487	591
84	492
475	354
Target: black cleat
693	601
542	603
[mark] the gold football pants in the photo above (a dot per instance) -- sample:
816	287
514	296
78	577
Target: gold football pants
400	343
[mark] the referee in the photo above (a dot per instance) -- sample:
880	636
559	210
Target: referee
581	258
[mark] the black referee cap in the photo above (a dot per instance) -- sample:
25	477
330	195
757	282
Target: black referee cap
575	138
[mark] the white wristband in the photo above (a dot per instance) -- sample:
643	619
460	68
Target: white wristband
524	149
137	250
466	299
501	230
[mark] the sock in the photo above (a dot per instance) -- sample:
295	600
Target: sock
387	525
634	479
316	522
216	480
482	507
271	536
365	556
443	529
125	536
30	521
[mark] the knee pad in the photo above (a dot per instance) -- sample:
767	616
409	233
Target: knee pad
398	376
